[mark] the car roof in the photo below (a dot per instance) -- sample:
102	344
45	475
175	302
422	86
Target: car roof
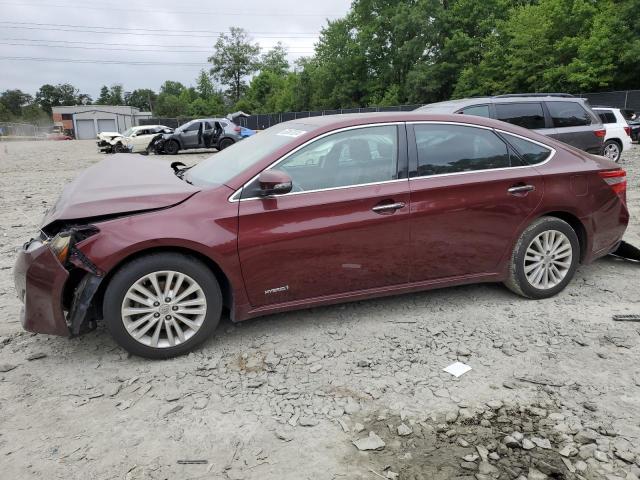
516	98
325	123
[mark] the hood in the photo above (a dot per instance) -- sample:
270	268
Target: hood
122	183
109	134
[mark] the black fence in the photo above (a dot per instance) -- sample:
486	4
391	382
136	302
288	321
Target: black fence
626	99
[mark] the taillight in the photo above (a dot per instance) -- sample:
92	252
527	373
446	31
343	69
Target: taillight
617	180
600	133
237	129
628	130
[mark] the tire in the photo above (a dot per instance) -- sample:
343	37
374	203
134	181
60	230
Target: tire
522	268
159	336
224	143
171	147
612	150
119	148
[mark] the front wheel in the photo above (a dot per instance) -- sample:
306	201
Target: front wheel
119	148
171	147
612	150
162	305
544	259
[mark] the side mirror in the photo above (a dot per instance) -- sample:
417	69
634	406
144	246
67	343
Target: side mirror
274	182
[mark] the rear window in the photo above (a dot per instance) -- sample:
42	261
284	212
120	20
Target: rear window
527	115
568	114
607	116
530	152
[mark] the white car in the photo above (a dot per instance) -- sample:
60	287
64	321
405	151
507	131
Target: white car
135	139
618	137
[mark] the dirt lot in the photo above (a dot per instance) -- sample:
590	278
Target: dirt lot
554	390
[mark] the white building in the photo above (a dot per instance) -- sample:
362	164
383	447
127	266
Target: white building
87	121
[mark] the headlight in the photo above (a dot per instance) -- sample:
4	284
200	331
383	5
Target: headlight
60	245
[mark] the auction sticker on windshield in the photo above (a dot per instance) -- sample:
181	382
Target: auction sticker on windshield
291	132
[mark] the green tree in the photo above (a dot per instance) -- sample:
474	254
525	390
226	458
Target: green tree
142	98
5	113
104	97
116	94
33	114
275	60
204	85
171	106
234	58
171	87
49	96
15	100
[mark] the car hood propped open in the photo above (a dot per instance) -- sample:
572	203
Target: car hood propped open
122	183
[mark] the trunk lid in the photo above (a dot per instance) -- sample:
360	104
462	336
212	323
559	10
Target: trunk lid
122	183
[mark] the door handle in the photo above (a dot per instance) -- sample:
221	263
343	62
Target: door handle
388	207
521	189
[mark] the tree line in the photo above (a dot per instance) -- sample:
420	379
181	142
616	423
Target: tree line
391	52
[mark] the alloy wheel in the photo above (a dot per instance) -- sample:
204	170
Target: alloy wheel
612	151
164	309
548	259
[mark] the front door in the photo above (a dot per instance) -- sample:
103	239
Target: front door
192	136
344	227
470	194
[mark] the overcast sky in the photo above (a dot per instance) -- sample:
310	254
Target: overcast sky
79	29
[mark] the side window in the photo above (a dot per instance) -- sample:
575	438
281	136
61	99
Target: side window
477	110
606	116
455	148
352	157
193	127
568	114
207	126
528	115
530	152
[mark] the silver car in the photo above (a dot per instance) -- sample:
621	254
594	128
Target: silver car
218	133
557	115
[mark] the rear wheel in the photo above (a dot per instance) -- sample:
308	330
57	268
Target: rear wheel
162	305
224	143
612	150
544	259
172	147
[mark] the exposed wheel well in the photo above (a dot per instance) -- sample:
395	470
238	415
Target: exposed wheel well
618	141
223	281
577	226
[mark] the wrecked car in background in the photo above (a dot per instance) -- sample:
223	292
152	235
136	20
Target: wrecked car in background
134	140
312	212
218	133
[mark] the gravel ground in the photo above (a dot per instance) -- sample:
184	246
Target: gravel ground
342	392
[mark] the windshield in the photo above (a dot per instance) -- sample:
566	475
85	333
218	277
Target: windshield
127	133
182	128
224	165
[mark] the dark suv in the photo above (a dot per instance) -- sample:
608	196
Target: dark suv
218	133
557	115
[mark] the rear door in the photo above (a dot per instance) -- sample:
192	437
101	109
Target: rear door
524	114
470	195
344	227
574	125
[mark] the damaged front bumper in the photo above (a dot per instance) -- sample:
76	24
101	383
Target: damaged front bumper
41	281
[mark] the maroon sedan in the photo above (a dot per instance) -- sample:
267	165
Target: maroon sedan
311	212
